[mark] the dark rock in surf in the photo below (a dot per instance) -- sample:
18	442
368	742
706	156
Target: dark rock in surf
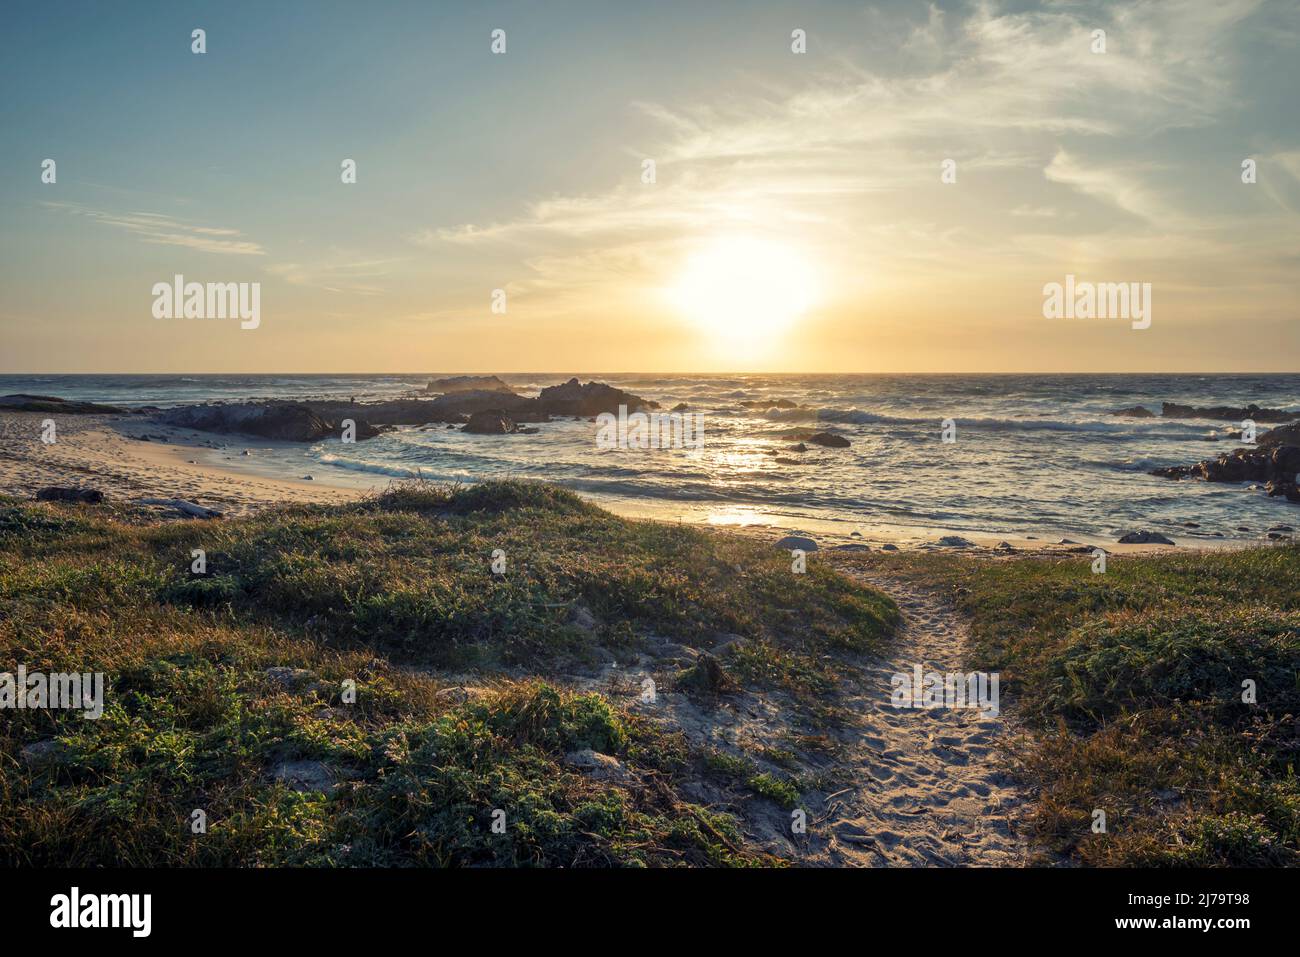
1228	413
20	402
593	398
1144	537
278	421
311	420
468	383
491	422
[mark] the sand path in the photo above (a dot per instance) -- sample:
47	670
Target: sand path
931	787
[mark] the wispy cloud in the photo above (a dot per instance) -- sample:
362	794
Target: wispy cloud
343	276
849	159
167	230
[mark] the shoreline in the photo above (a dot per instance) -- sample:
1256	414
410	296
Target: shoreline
129	457
106	452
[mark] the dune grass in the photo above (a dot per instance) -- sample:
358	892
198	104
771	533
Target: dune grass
1132	681
228	692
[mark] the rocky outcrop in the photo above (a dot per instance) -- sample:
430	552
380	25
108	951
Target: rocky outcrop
1225	413
468	383
55	493
278	421
827	440
455	405
1263	463
1172	410
490	422
1274	460
601	767
593	398
1282	435
1144	538
19	402
312	420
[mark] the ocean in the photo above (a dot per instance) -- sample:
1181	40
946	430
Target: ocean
1034	455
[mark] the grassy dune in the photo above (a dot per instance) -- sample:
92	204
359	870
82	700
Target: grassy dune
1133	681
225	691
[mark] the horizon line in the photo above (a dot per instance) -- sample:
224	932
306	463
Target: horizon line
536	372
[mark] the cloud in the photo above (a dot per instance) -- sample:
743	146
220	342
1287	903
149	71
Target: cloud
845	161
344	276
168	231
1120	186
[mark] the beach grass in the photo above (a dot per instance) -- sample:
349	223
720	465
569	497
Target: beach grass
228	692
1132	682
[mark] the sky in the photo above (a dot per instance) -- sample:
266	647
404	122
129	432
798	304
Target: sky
798	218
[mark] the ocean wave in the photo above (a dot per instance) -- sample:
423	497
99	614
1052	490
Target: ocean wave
373	467
1145	428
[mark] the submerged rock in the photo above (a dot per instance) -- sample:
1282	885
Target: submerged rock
1144	537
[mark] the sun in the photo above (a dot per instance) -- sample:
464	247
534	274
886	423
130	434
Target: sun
744	290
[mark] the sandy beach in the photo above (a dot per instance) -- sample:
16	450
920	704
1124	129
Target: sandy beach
109	453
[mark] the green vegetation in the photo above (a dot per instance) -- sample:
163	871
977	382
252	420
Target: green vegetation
742	770
1133	683
226	691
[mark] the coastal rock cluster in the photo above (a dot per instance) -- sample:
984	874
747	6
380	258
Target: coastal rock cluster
1226	413
467	383
485	411
1274	460
19	402
281	421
